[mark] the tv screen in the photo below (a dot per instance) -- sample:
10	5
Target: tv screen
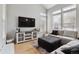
26	22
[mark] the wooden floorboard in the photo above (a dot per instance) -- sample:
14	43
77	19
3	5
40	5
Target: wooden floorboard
26	48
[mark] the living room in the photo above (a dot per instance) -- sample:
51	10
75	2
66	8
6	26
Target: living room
45	26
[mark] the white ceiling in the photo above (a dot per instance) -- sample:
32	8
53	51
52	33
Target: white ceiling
48	6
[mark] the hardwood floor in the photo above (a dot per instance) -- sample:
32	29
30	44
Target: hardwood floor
26	48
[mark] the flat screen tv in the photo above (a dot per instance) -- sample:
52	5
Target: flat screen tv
26	22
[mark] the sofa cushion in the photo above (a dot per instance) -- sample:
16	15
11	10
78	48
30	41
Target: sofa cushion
73	43
55	32
70	34
61	33
71	50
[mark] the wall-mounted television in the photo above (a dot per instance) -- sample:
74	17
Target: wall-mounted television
26	22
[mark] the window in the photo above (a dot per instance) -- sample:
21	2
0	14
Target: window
69	8
56	22
69	18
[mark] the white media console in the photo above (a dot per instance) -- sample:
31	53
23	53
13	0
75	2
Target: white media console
25	36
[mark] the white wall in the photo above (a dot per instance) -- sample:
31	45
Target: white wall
1	26
26	10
